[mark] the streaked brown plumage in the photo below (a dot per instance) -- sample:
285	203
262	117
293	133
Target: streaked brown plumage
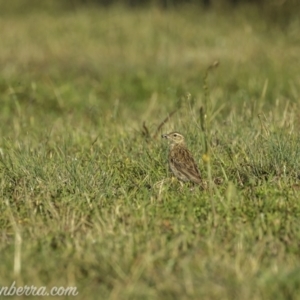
181	160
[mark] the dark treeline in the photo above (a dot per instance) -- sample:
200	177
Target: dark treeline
278	11
204	3
165	3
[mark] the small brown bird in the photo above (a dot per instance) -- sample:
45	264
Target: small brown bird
181	161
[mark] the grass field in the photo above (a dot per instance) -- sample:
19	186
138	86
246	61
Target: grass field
87	199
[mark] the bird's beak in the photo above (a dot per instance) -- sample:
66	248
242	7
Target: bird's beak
164	136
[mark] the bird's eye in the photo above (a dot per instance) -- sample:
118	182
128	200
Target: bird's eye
175	134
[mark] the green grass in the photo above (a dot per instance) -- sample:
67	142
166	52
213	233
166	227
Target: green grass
86	197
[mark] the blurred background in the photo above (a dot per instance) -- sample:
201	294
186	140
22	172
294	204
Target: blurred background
87	54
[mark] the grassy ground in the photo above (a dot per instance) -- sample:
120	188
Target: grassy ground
86	195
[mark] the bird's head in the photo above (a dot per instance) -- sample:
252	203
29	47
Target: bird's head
174	137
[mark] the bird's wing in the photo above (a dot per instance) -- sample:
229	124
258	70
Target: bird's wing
183	160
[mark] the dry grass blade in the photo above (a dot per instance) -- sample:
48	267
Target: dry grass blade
160	126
